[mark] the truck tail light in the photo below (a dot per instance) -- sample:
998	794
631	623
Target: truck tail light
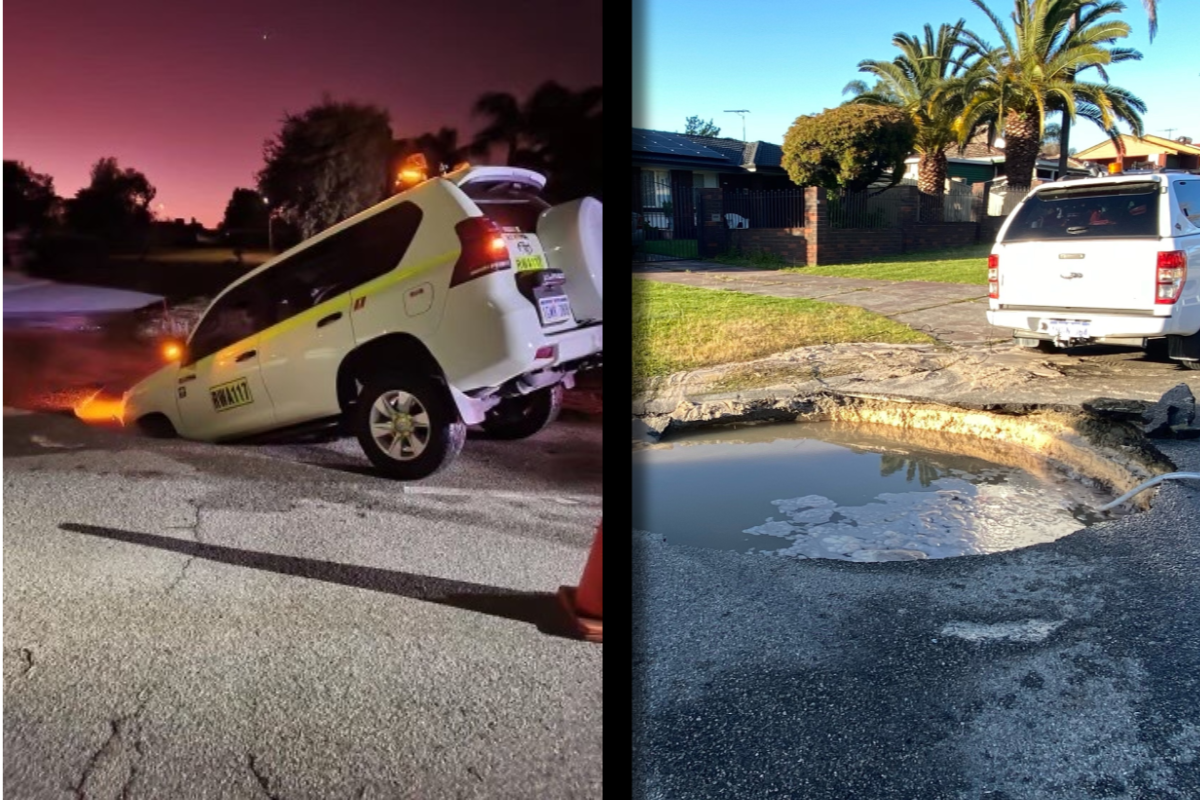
994	276
1172	272
484	250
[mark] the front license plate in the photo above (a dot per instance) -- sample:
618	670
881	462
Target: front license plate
1068	328
554	309
530	263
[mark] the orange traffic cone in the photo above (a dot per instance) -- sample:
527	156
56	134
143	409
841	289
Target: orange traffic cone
583	603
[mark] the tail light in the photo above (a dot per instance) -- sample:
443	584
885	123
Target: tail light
1172	272
483	250
994	277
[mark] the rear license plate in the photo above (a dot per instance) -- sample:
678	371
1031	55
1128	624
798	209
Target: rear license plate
529	263
1068	328
554	308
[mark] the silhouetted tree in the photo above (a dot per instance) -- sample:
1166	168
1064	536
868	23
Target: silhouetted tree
440	149
114	207
29	198
246	210
555	131
327	164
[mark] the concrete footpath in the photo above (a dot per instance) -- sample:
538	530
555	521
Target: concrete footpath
952	313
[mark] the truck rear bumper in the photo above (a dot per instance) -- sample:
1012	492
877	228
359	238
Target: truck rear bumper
1037	324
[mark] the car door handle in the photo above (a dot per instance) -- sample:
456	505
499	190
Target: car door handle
246	356
187	378
331	318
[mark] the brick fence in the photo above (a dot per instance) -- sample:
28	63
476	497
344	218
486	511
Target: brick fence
787	243
819	243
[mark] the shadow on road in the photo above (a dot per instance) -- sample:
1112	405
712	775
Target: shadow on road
537	608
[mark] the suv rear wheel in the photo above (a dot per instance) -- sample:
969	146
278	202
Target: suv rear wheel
521	417
407	425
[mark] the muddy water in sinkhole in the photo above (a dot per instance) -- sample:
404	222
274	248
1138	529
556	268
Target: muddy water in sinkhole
850	492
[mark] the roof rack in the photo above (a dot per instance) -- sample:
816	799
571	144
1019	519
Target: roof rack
1154	169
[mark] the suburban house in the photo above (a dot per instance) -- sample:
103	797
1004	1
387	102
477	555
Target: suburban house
980	161
667	163
1145	152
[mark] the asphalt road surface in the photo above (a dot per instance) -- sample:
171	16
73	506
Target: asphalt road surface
1065	671
185	620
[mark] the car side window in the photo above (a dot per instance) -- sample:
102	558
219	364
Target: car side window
241	313
343	261
1187	195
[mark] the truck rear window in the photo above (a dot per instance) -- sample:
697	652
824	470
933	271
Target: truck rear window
1119	210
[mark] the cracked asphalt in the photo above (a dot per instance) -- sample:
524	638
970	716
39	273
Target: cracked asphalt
249	621
1064	671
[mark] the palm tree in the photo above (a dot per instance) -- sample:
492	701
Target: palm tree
1035	70
555	131
1064	134
859	88
505	127
925	81
1152	16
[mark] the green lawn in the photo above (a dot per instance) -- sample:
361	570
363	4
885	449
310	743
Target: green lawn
177	274
681	248
681	327
956	265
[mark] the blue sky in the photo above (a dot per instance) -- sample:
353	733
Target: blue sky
791	57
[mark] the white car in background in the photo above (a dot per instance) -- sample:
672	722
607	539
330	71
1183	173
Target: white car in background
464	300
1102	260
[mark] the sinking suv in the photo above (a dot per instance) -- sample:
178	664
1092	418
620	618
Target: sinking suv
464	300
1102	260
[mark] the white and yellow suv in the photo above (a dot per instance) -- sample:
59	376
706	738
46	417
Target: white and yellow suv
464	300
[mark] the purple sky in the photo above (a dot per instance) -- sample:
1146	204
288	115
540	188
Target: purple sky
188	92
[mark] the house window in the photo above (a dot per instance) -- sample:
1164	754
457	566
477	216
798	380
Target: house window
656	187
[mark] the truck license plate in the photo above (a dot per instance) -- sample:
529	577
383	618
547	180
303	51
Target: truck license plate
1064	329
555	308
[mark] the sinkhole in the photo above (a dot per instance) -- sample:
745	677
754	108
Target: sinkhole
862	492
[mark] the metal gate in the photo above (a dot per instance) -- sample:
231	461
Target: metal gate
666	226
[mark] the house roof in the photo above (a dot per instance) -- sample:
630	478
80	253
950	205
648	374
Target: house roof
674	148
705	151
1148	145
745	154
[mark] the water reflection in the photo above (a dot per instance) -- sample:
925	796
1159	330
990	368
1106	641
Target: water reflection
822	490
924	471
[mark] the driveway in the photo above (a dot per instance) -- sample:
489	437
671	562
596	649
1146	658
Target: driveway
952	313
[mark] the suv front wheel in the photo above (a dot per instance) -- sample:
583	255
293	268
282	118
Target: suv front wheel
522	417
407	425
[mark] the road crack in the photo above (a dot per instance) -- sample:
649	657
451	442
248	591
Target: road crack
194	527
26	662
111	770
262	779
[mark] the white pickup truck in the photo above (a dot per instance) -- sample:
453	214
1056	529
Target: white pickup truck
1102	260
